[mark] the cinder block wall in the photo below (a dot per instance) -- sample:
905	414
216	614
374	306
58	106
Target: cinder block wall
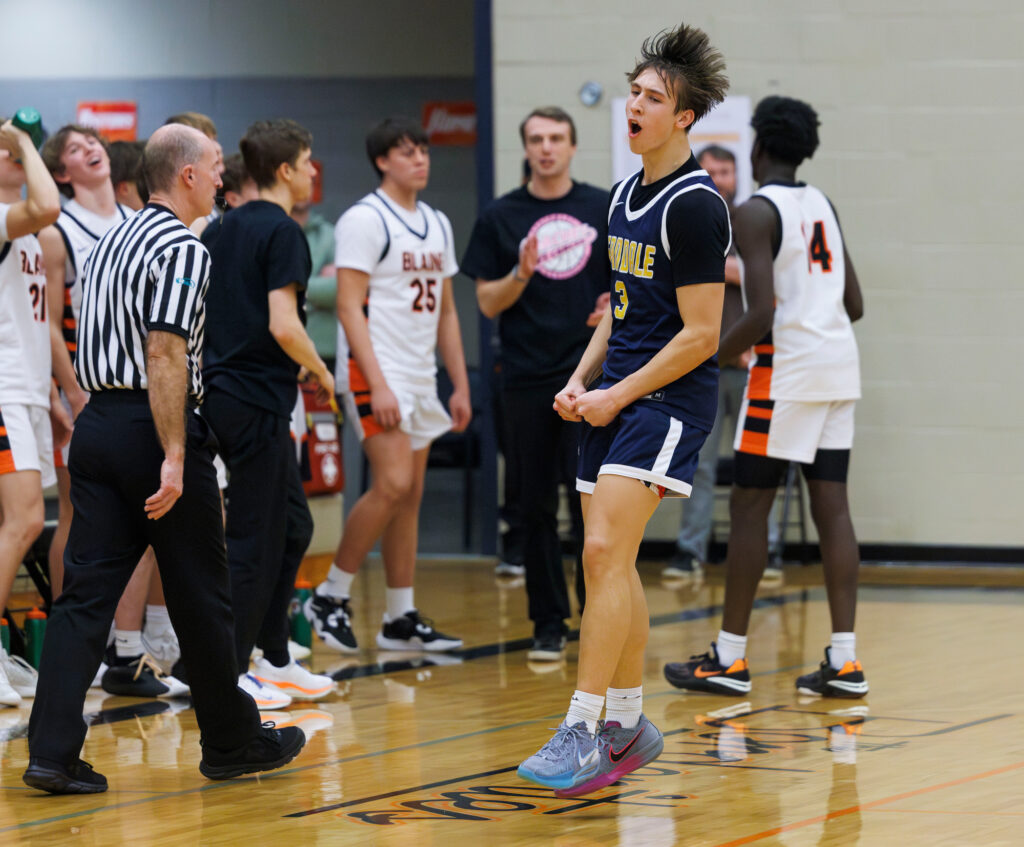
921	153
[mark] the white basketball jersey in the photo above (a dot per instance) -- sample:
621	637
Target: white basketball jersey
408	255
812	353
24	327
81	229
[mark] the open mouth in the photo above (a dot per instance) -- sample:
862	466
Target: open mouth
634	129
94	161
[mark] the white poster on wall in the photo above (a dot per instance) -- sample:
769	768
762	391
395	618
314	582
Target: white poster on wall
727	125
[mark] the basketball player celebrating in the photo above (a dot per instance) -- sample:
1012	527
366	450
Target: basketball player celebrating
394	254
802	294
668	235
26	399
80	165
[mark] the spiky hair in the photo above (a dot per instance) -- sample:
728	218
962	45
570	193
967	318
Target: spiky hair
787	128
689	66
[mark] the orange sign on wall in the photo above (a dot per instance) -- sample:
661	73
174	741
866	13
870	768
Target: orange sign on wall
450	123
115	121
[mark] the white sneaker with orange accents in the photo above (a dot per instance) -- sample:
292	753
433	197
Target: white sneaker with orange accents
293	679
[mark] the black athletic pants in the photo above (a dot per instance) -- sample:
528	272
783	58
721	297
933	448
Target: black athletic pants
268	526
539	441
115	465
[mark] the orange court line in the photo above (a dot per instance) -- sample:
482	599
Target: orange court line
865	806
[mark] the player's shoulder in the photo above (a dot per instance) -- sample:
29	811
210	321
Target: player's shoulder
366	208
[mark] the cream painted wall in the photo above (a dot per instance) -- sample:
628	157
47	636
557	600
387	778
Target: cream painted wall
921	153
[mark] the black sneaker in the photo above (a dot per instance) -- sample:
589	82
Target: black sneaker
332	620
270	749
141	677
826	681
706	673
412	631
682	566
547	648
76	778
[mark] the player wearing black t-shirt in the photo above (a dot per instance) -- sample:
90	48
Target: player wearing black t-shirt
537	254
668	235
255	345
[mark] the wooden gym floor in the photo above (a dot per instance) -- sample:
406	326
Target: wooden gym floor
416	750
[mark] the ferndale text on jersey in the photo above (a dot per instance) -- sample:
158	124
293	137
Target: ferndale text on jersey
631	257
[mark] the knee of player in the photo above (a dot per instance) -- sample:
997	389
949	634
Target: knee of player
597	553
25	528
394	487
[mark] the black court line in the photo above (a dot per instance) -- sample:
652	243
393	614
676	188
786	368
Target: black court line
466	777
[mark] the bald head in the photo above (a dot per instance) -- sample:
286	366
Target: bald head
170	149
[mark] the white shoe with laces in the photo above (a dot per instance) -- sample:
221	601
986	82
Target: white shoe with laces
162	646
266	696
293	679
20	674
8	696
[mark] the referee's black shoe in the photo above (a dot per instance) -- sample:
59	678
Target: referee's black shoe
270	749
76	778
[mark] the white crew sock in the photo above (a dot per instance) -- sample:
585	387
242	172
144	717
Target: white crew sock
127	643
399	601
624	706
730	648
337	585
157	619
584	707
844	649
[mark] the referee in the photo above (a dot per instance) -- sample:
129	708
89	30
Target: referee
142	474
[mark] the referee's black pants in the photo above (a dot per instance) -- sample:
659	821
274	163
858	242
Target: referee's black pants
539	443
115	464
268	526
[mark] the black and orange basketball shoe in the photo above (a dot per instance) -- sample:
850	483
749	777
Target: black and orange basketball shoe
826	681
706	673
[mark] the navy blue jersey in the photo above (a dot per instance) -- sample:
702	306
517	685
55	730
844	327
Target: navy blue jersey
661	236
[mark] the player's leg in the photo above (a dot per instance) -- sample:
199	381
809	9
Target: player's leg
390	456
841	674
21	521
404	627
158	638
131	609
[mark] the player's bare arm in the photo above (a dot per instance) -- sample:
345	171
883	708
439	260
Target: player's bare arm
41	206
60	419
753	229
700	307
353	287
167	385
55	259
449	344
495	296
853	300
586	371
291	335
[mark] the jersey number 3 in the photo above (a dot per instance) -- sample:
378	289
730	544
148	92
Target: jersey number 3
623	304
817	249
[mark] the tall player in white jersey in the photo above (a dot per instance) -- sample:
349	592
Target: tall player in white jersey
77	159
801	295
395	260
26	392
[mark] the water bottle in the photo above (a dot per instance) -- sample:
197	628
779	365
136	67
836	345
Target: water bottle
35	632
302	632
31	122
5	635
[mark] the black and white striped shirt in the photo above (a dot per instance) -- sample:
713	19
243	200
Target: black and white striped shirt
148	273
